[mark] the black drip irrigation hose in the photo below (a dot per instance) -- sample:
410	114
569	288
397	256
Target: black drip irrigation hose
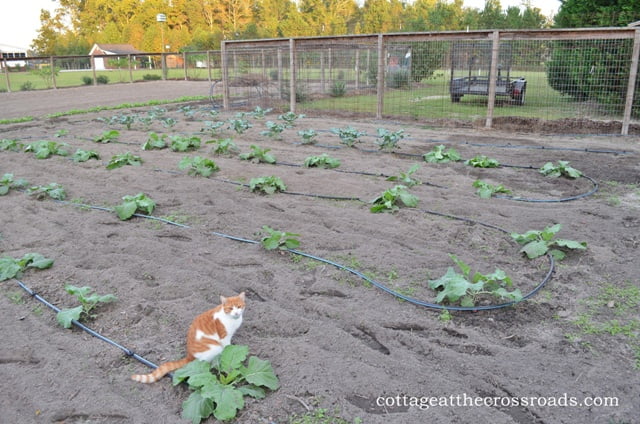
83	327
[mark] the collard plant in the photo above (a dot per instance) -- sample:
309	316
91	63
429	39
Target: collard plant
107	136
179	143
219	389
482	161
198	165
537	243
322	161
486	190
132	204
10	145
349	136
279	239
258	154
239	125
308	136
388	140
440	154
13	268
406	178
274	130
224	146
392	199
267	185
260	113
561	169
155	141
212	127
52	190
88	302
466	288
290	118
7	183
44	149
120	160
84	155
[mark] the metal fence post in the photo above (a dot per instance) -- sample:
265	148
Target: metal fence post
380	88
493	74
631	86
292	73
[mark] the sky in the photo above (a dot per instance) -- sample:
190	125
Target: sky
19	22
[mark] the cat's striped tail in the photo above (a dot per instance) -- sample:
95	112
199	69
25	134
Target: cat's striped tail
161	371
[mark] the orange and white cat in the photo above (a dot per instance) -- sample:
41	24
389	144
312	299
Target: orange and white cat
208	334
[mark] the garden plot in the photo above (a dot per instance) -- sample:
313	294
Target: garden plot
337	339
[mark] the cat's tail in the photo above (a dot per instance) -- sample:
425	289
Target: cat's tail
161	371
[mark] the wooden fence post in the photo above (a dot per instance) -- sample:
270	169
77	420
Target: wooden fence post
493	77
53	72
631	86
6	74
225	75
130	68
292	74
380	88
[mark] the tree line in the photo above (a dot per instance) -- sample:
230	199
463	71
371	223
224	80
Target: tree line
197	25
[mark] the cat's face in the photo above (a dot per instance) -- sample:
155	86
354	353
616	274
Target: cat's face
233	306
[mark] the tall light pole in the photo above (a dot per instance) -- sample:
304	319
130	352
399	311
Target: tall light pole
161	18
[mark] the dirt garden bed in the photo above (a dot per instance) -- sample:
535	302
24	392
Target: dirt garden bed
335	341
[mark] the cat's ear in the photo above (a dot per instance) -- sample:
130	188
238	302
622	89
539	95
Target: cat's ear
241	296
223	299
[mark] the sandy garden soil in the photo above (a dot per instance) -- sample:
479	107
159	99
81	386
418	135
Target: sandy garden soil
334	340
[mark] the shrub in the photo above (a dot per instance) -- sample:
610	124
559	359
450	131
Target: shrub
87	80
338	89
151	77
102	79
27	86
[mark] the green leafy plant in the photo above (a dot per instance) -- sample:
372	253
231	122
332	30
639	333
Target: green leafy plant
84	155
7	183
107	136
219	388
11	145
224	146
482	161
188	111
239	125
290	118
486	190
155	141
259	113
267	185
322	161
308	136
53	190
43	149
349	136
440	154
274	129
88	302
182	144
279	239
212	127
167	121
562	168
198	165
61	133
338	89
120	160
406	178
389	140
537	243
466	289
390	200
132	204
10	267
257	155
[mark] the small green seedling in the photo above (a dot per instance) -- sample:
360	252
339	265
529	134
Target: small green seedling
182	144
219	388
10	145
290	118
482	161
107	136
322	161
167	122
274	130
43	149
454	287
239	125
391	199
279	239
486	190
120	160
84	155
88	302
7	183
259	113
440	154
155	141
257	155
349	136
52	190
13	268
198	165
406	178
212	127
224	146
562	168
388	140
308	136
60	133
132	204
267	185
537	243
188	111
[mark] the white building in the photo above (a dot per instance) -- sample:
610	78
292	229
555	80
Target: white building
11	53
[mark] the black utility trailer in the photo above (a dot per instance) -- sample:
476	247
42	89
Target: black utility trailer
470	66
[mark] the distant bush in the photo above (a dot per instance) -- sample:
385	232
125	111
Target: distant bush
338	89
151	77
27	86
87	80
273	74
102	79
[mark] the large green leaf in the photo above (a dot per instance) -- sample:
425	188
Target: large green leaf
36	260
197	372
197	407
126	210
227	398
453	285
535	249
571	244
66	316
260	373
9	268
232	357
